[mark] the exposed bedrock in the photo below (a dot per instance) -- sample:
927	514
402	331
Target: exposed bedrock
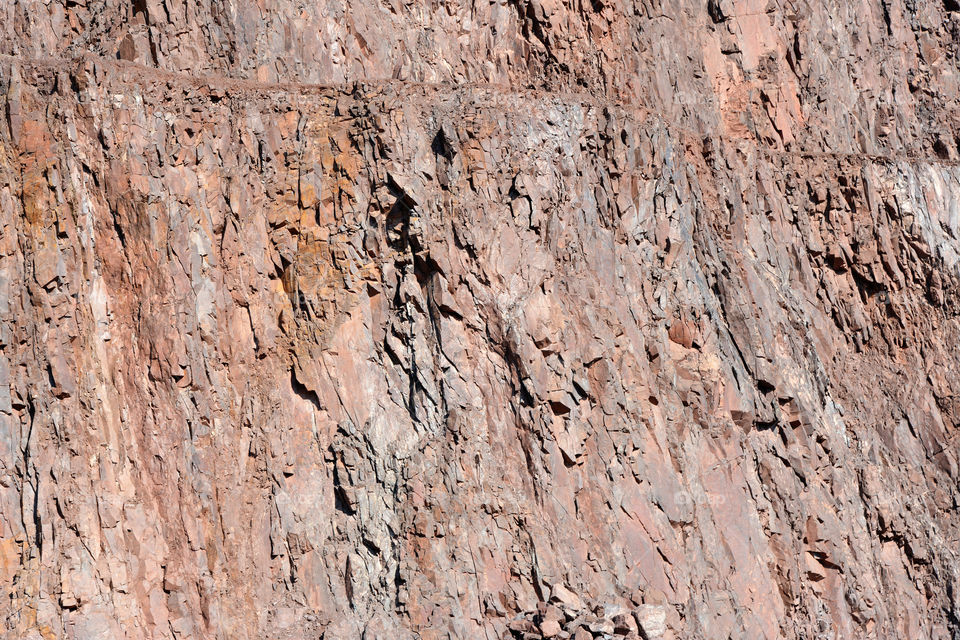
529	319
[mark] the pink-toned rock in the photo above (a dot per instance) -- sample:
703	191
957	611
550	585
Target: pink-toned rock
369	320
651	620
566	598
550	628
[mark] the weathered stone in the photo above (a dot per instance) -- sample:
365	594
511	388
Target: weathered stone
624	624
381	320
566	598
550	628
651	620
600	625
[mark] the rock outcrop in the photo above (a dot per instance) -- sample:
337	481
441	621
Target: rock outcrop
531	319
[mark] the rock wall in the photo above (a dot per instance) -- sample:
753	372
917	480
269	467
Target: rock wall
526	318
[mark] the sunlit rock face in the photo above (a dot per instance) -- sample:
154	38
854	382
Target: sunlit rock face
527	319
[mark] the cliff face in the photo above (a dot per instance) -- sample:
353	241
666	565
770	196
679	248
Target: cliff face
453	320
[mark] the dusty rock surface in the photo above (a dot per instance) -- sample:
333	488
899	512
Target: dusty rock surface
531	319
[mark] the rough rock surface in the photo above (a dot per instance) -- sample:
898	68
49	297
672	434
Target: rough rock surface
527	318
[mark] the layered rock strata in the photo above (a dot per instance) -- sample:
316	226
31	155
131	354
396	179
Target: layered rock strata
511	319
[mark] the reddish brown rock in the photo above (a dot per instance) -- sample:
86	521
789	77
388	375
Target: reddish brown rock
384	320
550	628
